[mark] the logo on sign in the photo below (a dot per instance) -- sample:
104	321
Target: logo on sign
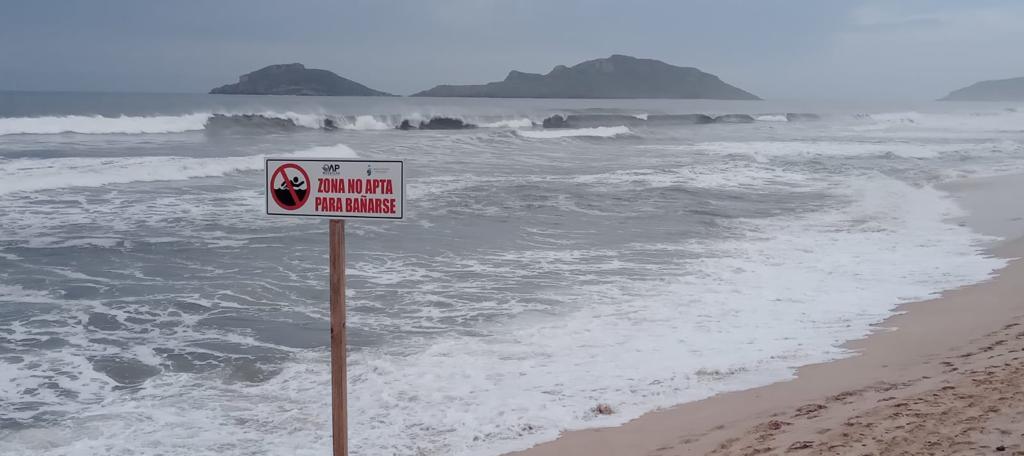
331	169
289	186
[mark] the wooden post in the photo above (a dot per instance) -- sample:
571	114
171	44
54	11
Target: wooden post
339	367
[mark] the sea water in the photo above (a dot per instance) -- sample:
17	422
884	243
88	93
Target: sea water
148	306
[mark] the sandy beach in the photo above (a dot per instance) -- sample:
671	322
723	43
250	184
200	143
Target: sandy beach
943	376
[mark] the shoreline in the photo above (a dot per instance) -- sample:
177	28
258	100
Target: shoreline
912	385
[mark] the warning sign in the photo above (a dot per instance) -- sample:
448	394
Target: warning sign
335	188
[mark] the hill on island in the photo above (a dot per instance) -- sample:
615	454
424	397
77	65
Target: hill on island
618	76
996	90
295	79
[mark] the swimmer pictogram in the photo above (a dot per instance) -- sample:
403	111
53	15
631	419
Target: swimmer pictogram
289	186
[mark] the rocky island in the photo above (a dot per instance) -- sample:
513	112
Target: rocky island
295	79
997	90
618	76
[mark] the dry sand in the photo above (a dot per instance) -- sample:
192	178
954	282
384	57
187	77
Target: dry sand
946	376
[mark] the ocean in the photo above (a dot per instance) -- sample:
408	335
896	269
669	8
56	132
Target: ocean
148	306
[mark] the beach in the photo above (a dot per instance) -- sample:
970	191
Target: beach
943	376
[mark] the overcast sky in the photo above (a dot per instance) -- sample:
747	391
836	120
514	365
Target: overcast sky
782	49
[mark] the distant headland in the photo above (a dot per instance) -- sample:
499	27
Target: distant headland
618	76
295	79
997	90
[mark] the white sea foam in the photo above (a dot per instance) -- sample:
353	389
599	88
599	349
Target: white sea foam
368	123
772	118
596	132
745	314
719	176
308	120
38	174
765	150
1001	121
95	124
509	123
19	294
102	125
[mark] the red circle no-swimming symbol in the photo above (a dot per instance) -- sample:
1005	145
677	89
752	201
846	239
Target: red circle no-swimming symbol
289	190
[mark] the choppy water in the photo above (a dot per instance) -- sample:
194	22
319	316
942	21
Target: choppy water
148	306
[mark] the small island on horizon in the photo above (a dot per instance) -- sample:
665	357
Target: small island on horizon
296	79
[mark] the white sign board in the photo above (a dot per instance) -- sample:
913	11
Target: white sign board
335	188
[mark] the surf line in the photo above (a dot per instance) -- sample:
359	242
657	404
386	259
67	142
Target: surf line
377	196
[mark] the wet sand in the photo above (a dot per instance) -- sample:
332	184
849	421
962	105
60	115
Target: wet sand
944	376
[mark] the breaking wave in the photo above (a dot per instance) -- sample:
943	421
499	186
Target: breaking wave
52	173
1008	120
101	125
596	132
510	123
272	122
368	123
